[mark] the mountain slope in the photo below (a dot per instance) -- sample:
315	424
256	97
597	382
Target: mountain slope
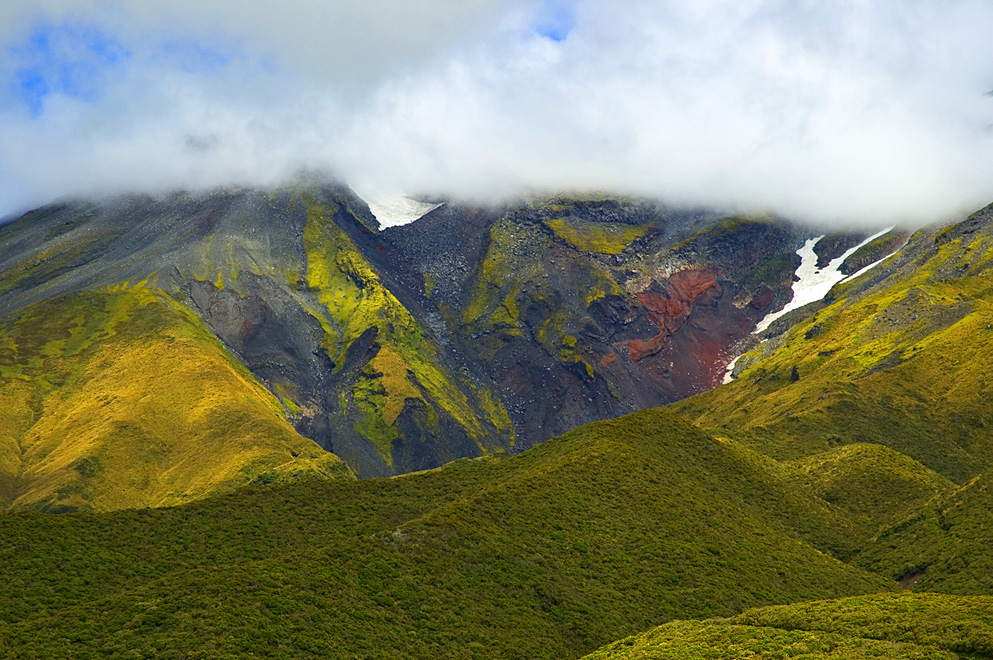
552	553
122	398
469	331
898	357
943	546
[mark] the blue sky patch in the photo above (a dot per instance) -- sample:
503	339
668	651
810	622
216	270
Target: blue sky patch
77	60
66	58
194	57
556	19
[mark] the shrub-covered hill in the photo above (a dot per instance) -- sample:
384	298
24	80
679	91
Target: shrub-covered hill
944	546
902	357
873	484
899	626
606	531
122	398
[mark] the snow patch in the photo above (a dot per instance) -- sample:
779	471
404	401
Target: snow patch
813	283
396	210
872	265
728	377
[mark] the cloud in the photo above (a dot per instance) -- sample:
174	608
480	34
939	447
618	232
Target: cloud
844	112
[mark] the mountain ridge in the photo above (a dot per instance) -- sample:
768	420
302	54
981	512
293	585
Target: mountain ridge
469	331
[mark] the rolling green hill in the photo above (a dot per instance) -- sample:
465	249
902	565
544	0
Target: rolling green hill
899	626
873	484
944	546
606	531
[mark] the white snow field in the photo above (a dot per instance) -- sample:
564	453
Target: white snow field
396	210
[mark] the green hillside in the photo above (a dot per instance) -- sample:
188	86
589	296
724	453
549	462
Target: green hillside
122	398
590	537
899	626
944	546
901	358
873	484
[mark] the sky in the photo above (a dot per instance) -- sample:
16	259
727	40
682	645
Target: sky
851	111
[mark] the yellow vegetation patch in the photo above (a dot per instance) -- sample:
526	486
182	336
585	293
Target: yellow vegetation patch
140	407
599	237
393	372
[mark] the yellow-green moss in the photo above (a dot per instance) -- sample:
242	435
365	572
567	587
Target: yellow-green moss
346	285
286	397
552	335
598	237
603	285
495	411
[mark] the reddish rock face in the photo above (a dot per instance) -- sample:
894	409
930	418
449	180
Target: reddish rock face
639	349
763	298
662	311
688	285
669	314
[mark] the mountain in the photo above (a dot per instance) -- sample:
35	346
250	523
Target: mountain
470	331
175	370
610	529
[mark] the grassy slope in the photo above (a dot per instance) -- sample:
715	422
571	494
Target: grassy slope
122	398
873	484
949	541
906	364
883	625
592	536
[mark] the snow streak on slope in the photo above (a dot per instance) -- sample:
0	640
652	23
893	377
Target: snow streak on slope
813	283
872	265
396	210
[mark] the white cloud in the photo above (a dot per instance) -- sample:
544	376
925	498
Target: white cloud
849	111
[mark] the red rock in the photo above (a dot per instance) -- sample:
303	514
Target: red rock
608	360
688	285
763	298
639	349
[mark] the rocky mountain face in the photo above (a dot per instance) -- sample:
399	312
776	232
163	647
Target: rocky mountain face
469	331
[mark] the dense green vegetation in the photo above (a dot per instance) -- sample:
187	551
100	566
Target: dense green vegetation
872	483
878	626
944	546
603	532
